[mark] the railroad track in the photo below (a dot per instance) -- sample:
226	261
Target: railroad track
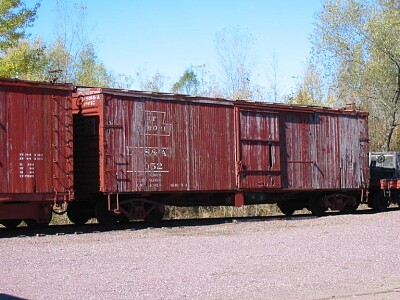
71	229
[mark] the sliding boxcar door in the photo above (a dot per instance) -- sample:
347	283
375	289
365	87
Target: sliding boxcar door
258	150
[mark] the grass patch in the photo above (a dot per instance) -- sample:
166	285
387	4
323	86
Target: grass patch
200	212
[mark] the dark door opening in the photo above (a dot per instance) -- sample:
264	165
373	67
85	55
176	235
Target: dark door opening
86	155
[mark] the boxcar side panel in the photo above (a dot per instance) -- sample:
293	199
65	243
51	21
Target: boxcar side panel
152	145
321	150
258	144
212	149
364	150
3	143
298	149
327	165
353	142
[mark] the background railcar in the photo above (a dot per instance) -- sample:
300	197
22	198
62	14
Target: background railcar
385	179
135	151
35	150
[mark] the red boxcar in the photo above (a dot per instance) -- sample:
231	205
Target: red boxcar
136	149
35	150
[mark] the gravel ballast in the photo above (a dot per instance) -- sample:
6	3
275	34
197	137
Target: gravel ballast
337	256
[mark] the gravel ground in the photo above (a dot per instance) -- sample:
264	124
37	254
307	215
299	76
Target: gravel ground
337	256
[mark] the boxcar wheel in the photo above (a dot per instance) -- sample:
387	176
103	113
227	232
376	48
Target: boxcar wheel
286	208
350	207
31	223
103	215
35	224
316	207
122	219
78	213
155	215
381	203
371	200
11	223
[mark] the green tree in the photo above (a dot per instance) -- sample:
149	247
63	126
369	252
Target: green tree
187	83
310	90
71	38
59	58
198	80
154	83
90	71
15	17
71	56
18	57
358	43
24	61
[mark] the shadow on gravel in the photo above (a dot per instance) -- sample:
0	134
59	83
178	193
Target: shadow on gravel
141	225
22	232
373	211
9	297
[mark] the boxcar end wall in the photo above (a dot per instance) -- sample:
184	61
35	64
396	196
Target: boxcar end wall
35	149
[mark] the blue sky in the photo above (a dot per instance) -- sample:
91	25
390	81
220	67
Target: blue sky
167	36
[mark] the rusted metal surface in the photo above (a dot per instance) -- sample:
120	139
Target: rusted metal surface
158	144
35	141
151	142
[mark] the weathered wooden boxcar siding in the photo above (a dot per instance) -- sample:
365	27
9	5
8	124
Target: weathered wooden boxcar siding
36	139
364	150
352	143
321	150
153	145
259	149
4	160
211	149
298	148
327	165
115	133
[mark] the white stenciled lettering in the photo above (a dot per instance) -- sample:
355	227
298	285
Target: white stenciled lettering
156	124
154	166
92	97
89	103
149	151
155	152
27	164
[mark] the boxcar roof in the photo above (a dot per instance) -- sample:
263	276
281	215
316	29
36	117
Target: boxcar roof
35	84
83	91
